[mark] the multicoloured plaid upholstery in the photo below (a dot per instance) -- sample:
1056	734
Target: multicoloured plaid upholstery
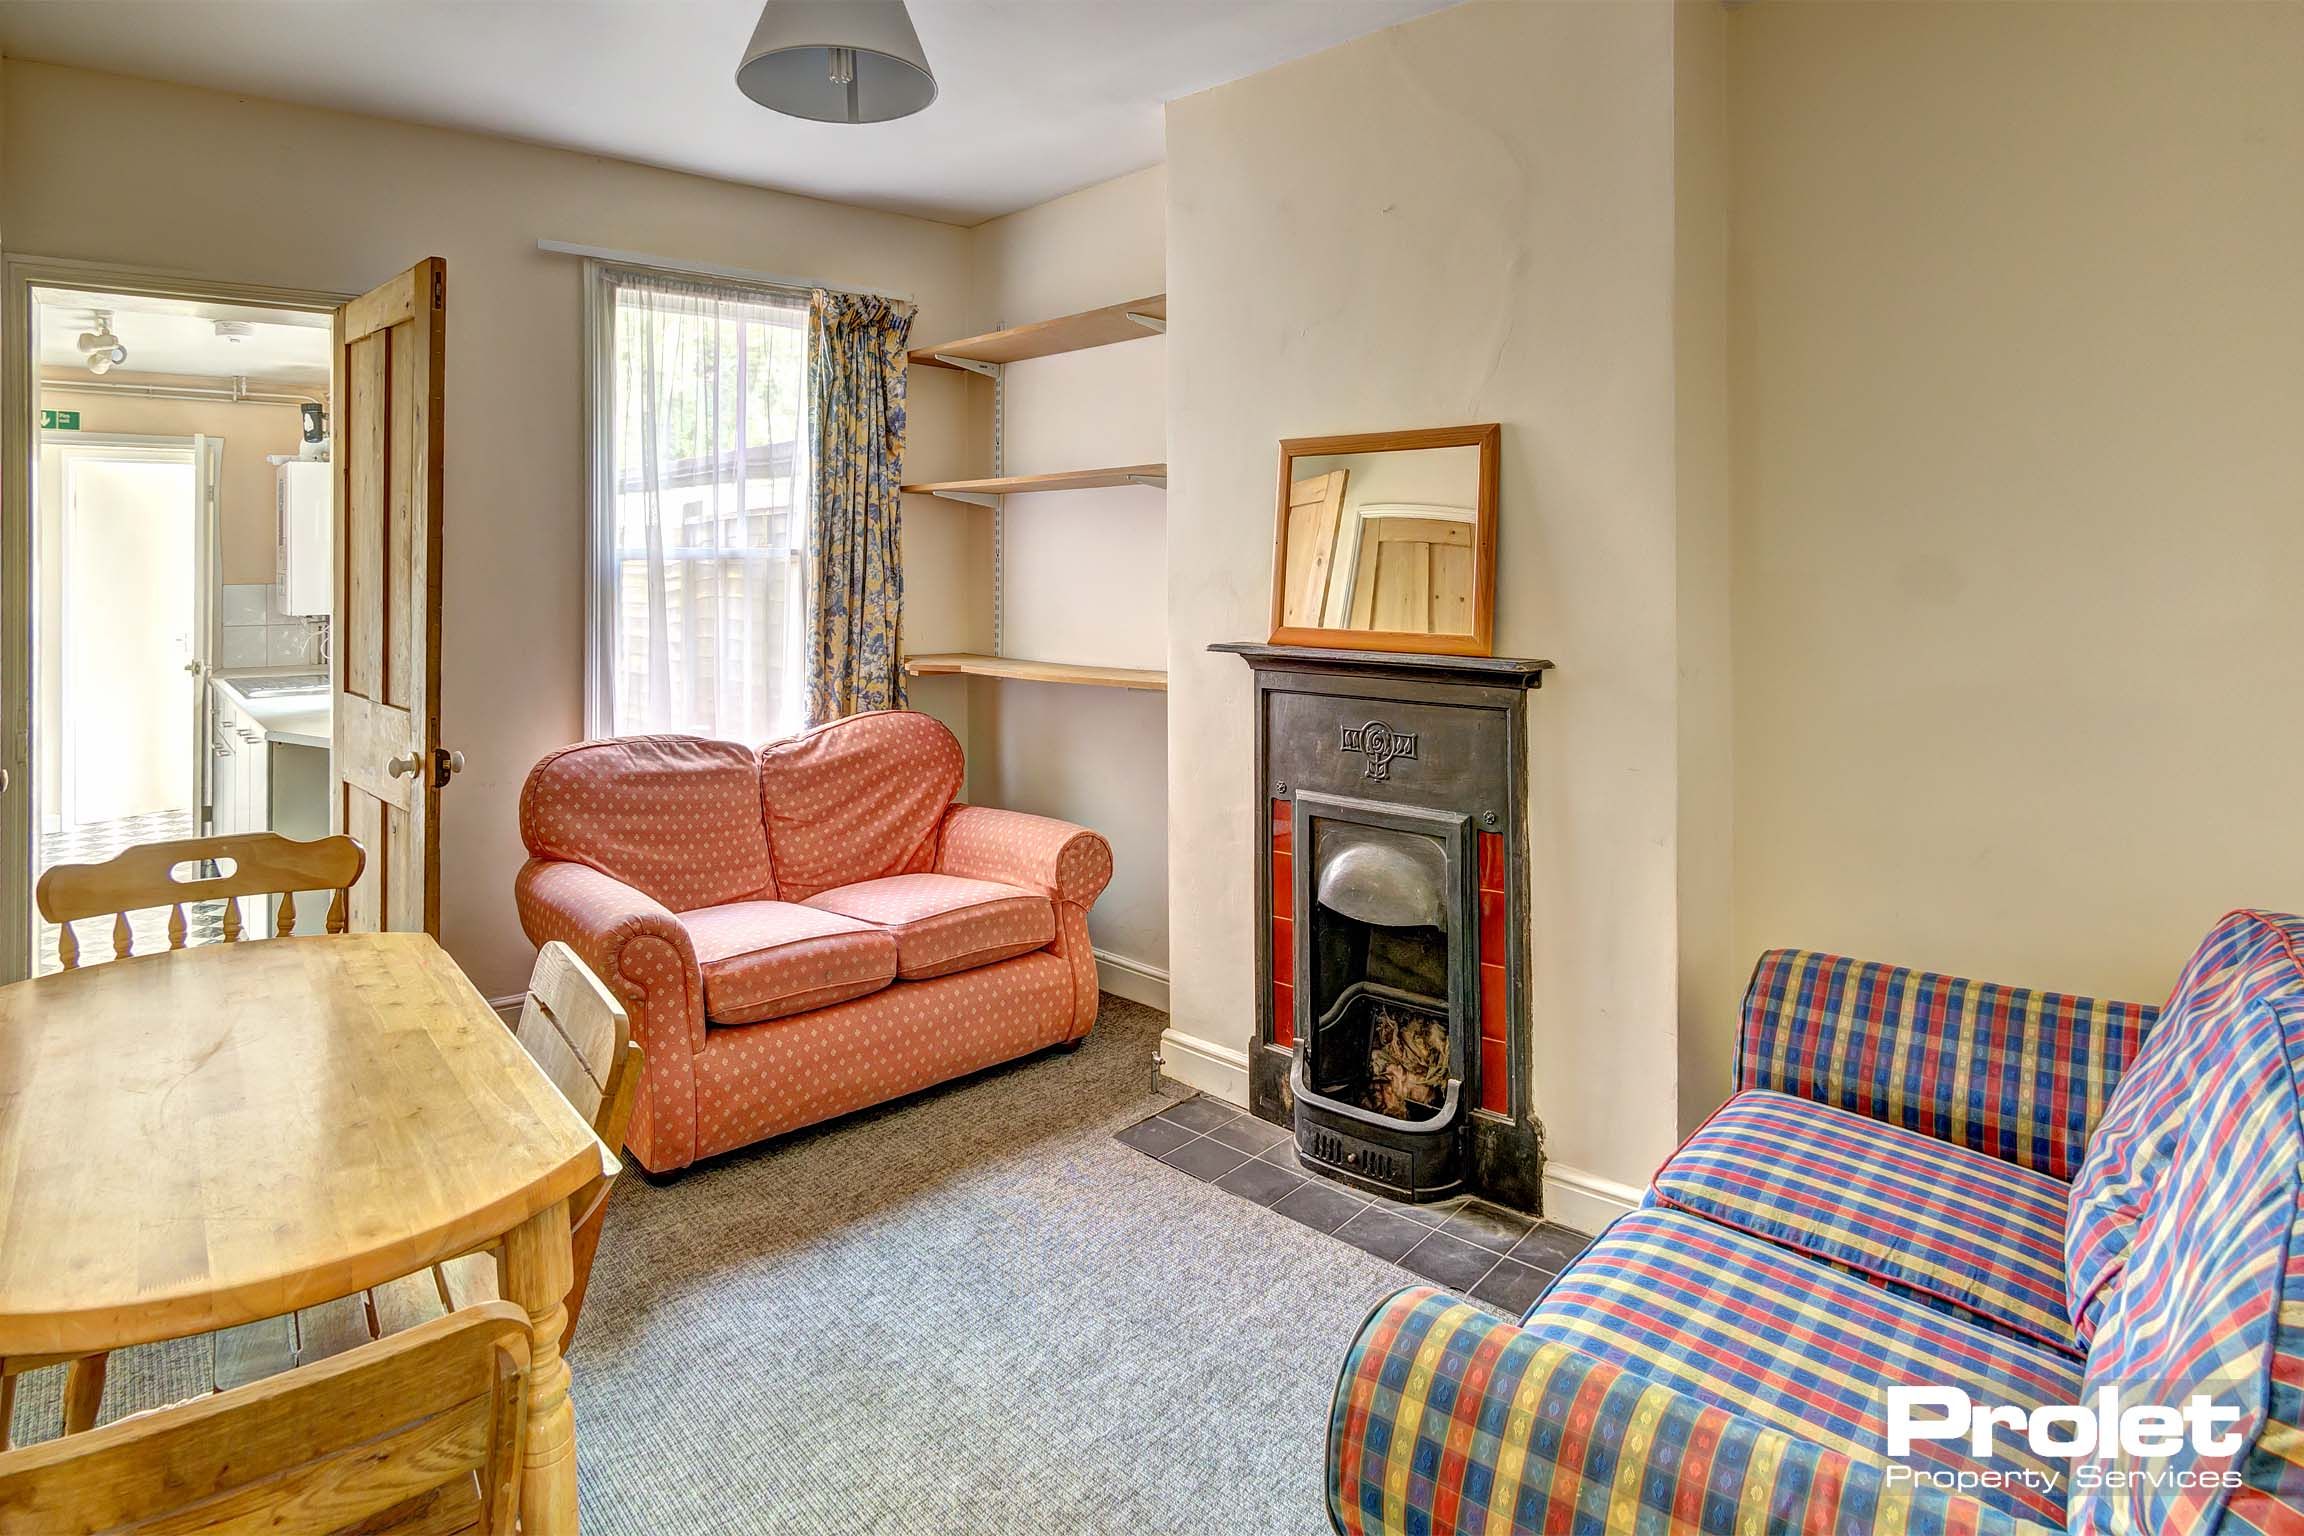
2188	1232
2019	1074
2184	1246
1448	1421
1947	1224
1742	1324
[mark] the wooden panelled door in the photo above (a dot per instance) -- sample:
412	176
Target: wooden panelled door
388	762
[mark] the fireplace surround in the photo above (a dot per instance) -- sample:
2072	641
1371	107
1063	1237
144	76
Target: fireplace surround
1392	1018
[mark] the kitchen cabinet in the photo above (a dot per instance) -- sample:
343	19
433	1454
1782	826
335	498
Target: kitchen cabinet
307	530
267	774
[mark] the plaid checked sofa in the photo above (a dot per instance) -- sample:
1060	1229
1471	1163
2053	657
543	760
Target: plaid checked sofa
1921	1180
807	929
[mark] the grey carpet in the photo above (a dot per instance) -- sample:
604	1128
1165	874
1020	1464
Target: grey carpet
971	1313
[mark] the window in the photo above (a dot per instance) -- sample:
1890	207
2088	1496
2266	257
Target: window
699	507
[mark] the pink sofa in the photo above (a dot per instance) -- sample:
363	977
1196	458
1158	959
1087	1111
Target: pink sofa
808	929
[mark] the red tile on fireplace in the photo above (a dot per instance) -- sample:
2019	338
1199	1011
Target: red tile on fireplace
1283	885
1492	861
1283	827
1492	933
1495	1078
1283	947
1283	1014
1492	1004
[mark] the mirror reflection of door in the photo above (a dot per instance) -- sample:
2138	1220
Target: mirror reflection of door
1413	574
1315	507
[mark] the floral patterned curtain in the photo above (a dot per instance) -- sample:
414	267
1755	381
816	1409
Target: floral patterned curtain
855	567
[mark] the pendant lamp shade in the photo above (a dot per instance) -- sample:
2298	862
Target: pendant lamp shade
837	61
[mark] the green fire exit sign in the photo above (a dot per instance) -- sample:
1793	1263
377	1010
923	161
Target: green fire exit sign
59	421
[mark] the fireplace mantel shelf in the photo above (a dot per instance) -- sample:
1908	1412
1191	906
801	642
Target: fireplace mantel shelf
1509	671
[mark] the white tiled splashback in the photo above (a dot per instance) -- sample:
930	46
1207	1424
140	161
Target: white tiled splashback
256	634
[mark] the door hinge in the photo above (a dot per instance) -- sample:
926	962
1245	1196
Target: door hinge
439	289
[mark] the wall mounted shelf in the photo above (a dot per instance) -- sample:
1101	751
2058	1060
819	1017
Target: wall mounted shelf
981	492
1045	338
967	664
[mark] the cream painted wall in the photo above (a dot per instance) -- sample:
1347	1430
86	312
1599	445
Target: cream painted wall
2018	362
1467	218
1085	570
1711	972
250	534
243	189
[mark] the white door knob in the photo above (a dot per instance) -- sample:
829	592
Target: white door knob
405	767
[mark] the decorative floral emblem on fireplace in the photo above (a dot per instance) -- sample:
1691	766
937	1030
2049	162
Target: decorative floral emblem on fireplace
1381	745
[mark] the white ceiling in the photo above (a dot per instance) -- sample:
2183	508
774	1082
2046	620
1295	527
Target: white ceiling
177	338
1039	97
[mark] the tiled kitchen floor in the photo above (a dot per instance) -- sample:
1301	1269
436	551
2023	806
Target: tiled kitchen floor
1497	1257
94	842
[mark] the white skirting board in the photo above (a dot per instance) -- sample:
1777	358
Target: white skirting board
1132	979
1583	1200
1218	1070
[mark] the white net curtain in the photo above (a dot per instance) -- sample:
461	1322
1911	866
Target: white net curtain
699	516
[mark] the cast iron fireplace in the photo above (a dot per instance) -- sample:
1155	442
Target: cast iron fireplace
1392	1022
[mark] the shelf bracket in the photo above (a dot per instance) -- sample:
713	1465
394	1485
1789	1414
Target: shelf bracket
973	498
1153	323
972	365
1156	482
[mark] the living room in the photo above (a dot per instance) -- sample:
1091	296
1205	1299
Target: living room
1874	437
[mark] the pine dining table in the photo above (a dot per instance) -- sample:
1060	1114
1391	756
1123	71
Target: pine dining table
207	1137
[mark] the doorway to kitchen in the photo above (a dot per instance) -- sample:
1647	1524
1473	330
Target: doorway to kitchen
180	580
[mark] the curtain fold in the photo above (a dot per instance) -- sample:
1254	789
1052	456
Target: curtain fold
699	518
855	563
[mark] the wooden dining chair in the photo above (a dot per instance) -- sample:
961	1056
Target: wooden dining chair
576	1030
418	1432
145	876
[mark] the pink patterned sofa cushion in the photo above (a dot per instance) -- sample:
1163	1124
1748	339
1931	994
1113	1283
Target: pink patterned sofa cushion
674	817
767	959
857	799
944	924
772	1078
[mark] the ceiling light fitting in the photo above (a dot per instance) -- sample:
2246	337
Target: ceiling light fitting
837	61
102	349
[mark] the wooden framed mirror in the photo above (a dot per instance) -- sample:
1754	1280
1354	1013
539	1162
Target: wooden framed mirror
1386	541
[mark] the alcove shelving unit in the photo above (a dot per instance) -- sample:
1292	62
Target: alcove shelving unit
988	356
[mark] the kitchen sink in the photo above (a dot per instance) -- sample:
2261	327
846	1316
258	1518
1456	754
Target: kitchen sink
275	687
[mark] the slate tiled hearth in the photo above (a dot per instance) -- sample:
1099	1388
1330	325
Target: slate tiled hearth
1499	1258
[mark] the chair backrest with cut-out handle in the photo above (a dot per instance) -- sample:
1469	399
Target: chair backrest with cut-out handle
418	1431
145	876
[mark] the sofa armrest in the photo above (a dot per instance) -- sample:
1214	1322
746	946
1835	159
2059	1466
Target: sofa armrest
2019	1074
631	941
1040	853
1451	1421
